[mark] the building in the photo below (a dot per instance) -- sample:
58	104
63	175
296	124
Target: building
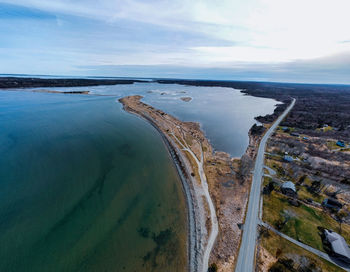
341	144
288	188
338	246
295	134
288	158
332	204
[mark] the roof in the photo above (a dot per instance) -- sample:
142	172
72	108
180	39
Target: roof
338	243
288	158
332	202
288	185
340	143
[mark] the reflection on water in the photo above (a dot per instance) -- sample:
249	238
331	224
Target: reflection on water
85	187
226	115
88	187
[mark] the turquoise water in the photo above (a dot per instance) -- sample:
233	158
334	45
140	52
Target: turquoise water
85	187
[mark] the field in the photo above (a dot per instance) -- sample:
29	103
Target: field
282	249
300	222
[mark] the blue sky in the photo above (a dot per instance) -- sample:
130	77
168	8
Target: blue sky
268	40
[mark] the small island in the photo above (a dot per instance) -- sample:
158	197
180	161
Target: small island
186	99
60	92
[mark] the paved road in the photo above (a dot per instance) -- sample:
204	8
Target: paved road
320	254
246	257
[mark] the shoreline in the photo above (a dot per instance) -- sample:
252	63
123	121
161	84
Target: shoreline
183	171
218	186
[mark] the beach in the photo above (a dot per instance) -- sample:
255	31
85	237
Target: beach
207	178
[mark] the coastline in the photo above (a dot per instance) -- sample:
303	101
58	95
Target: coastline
229	204
183	170
216	186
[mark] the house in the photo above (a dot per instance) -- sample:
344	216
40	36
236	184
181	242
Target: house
340	143
288	188
338	246
332	204
288	158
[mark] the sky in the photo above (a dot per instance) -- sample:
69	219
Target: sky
263	40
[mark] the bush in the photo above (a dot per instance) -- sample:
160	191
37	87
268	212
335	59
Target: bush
213	268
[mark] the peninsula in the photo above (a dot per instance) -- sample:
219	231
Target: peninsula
216	186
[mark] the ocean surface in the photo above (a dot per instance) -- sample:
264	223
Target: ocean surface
85	187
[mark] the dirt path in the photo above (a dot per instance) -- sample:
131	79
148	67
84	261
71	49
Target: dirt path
213	219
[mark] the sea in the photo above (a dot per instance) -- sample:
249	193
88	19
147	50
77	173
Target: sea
86	186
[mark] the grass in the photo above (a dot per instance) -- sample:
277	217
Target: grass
273	242
324	129
280	130
332	145
277	166
277	157
303	193
266	181
194	166
303	220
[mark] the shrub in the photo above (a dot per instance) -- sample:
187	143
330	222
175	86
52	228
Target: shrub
213	268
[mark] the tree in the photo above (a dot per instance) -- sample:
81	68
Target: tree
213	268
340	218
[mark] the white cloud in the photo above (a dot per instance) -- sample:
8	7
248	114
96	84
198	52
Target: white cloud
258	31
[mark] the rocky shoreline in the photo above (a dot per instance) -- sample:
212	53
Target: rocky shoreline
228	181
184	171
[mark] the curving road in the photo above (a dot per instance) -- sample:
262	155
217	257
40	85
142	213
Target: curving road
246	257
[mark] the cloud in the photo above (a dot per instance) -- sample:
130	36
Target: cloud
209	34
333	69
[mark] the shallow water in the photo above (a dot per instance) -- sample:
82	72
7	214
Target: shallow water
226	115
88	187
85	187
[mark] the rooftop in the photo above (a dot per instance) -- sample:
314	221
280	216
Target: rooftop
288	158
338	243
288	185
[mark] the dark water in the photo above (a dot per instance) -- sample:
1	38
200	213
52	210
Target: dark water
85	187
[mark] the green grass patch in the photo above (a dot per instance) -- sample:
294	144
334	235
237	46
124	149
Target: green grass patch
303	193
324	129
332	145
266	181
274	244
300	222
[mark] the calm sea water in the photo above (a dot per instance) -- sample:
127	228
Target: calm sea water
226	115
85	187
88	187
